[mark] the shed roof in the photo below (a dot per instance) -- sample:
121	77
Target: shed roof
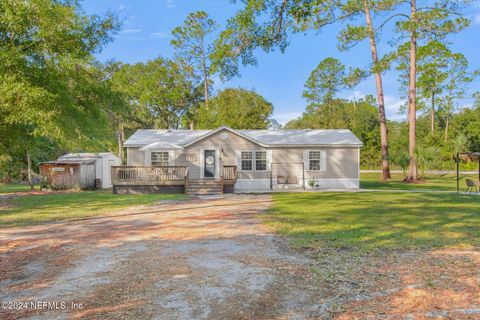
85	155
70	161
269	138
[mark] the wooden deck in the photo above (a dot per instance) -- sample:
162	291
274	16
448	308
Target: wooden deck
167	178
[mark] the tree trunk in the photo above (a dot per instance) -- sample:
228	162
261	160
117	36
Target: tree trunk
446	128
380	96
205	86
433	113
205	74
121	138
412	97
29	169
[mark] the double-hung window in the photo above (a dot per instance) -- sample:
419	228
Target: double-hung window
314	159
247	160
160	159
260	160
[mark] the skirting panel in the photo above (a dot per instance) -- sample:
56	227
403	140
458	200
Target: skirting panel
138	189
252	185
335	184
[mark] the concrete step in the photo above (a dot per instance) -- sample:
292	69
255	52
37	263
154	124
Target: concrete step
191	193
204	182
204	190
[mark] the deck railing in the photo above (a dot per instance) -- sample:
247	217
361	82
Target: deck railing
229	173
122	174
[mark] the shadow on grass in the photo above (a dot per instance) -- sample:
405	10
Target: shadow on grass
433	182
377	220
30	210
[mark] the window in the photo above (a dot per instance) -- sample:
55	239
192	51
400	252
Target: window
314	160
261	160
247	158
160	159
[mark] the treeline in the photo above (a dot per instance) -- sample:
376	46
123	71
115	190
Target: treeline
418	47
55	97
434	150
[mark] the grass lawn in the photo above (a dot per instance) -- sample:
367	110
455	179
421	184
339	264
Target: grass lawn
10	188
29	210
377	220
436	182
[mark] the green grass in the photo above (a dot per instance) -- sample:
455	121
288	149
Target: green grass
433	182
10	188
377	220
29	210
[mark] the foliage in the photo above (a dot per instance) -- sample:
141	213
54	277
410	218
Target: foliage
238	109
157	94
426	157
51	89
312	182
191	44
401	160
359	116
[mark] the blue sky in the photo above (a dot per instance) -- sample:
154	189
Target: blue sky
146	34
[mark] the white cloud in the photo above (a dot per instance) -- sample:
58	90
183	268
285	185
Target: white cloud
392	108
284	117
132	30
158	35
170	3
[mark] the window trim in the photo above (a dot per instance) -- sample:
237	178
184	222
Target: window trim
310	160
322	159
251	160
266	160
160	151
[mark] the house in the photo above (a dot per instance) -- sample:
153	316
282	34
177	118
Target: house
80	170
228	160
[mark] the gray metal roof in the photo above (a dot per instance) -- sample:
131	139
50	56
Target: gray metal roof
143	137
304	137
84	155
70	161
301	137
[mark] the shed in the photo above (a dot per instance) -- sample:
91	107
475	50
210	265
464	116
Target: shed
103	164
69	174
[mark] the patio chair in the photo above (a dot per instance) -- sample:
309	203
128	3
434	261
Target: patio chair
472	185
292	180
281	180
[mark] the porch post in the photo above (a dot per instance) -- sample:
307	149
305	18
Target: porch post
271	181
303	175
458	183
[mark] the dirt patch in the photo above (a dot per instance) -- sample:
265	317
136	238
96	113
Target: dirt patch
205	258
214	259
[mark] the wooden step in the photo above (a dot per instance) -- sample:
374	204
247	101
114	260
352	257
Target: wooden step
204	187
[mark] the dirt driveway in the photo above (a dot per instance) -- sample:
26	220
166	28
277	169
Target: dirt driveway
209	258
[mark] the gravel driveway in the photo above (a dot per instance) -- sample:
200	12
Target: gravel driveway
204	258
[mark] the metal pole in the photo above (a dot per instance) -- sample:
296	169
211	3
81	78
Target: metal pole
458	173
303	175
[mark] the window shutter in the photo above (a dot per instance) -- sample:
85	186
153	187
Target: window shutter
305	160
148	158
269	160
238	159
171	157
323	160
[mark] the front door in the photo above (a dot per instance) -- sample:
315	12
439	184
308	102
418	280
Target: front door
209	163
